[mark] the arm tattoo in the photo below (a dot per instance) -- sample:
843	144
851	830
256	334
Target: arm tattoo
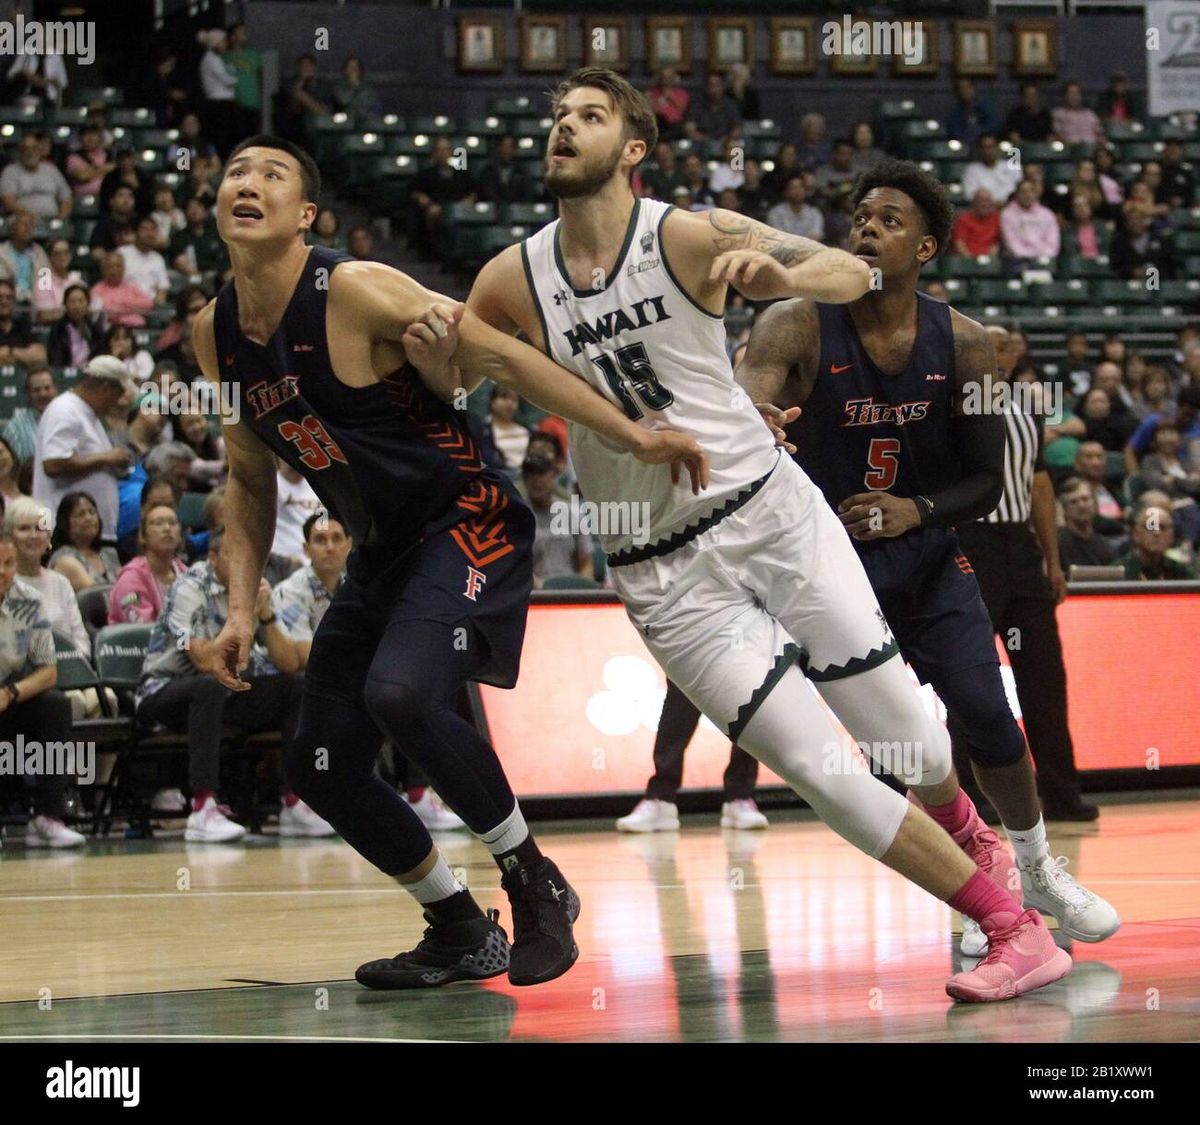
736	232
974	361
785	341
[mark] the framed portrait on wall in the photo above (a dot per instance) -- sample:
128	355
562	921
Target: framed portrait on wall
543	43
1035	48
926	57
606	42
730	41
793	45
975	48
480	44
669	43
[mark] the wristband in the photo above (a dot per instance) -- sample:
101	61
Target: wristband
924	509
15	692
269	621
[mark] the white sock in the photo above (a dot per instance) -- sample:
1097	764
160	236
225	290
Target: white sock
510	832
1030	846
440	883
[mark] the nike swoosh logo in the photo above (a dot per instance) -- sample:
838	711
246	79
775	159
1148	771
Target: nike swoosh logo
835	370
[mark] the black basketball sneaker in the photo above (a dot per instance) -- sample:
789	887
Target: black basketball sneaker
544	907
472	950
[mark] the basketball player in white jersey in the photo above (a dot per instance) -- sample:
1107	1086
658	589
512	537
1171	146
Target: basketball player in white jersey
738	590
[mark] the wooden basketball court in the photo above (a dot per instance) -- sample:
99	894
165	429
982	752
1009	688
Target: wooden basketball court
704	935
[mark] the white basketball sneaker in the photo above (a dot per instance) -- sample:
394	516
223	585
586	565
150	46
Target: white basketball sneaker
974	941
50	832
210	825
651	816
1080	914
743	814
300	820
434	814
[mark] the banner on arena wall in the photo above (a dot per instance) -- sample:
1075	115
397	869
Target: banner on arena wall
1173	56
583	717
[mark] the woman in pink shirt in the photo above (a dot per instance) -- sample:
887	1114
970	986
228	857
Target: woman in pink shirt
669	101
141	587
121	300
88	167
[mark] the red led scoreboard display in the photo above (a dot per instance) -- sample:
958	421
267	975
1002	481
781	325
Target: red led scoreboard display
582	719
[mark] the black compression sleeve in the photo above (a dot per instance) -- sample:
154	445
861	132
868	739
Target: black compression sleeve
980	440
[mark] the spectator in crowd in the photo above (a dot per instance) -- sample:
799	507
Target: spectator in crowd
1086	182
813	149
128	173
87	168
696	181
1178	186
838	171
991	170
177	691
729	172
141	586
162	88
351	94
1155	197
360	244
51	287
1140	197
30	705
785	165
1073	122
1077	372
79	335
10	466
752	195
1100	424
28	522
743	94
144	266
120	217
295	502
301	599
21	259
197	248
1152	398
1029	230
1084	235
246	64
189	144
670	102
1167	469
977	230
325	230
182	353
1187	358
1137	247
507	435
1029	120
203	178
714	115
1184	412
77	552
119	341
1079	544
36	78
17	344
502	179
209	467
1109	376
145	423
167	216
302	98
173	460
34	185
795	214
865	155
1104	163
20	431
74	451
556	551
1119	102
433	189
1152	535
972	116
1090	463
188	302
218	81
666	175
120	300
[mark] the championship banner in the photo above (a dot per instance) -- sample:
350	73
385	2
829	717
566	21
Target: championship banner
1173	56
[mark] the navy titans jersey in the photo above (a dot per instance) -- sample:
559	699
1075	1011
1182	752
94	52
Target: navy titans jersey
864	431
392	459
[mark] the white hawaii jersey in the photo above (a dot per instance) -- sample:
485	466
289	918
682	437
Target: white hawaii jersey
656	354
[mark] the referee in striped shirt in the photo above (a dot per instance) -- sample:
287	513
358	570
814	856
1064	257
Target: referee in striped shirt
1014	552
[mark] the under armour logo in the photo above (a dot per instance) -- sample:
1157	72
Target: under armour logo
561	297
475	581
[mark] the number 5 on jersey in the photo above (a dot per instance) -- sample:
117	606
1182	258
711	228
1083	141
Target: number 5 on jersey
884	459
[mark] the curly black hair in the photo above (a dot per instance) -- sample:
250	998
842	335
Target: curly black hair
922	188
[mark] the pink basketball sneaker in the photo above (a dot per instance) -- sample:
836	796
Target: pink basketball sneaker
1022	956
995	860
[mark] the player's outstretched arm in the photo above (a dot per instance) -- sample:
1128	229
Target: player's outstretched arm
249	521
711	249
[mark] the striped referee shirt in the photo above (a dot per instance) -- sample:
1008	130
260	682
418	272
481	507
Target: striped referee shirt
1023	443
